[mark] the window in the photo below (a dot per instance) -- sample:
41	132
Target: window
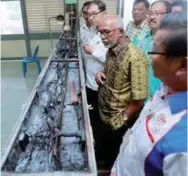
72	9
11	18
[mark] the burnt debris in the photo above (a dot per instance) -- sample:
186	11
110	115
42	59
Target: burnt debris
52	136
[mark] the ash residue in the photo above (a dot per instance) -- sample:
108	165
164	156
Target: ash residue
39	129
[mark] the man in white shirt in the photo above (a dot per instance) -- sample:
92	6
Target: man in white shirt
94	55
94	48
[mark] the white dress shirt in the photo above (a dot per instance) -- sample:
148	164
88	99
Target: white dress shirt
95	62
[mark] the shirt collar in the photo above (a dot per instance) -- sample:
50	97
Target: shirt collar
149	34
177	101
144	36
122	46
85	27
144	23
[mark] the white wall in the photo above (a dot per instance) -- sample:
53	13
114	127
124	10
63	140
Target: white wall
128	5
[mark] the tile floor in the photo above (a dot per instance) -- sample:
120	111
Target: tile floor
15	90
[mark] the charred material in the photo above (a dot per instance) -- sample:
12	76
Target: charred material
66	46
52	135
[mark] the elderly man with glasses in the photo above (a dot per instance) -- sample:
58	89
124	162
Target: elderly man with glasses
157	11
157	143
123	85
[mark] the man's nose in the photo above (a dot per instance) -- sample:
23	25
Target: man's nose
103	37
90	17
153	16
135	12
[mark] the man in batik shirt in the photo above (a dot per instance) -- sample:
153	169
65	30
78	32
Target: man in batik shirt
123	85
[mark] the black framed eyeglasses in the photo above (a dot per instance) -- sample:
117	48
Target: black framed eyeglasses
94	14
156	14
106	33
166	54
158	53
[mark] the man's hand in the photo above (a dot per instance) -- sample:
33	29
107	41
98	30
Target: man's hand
88	49
100	78
134	108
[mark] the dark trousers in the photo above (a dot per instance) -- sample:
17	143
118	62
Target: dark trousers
107	141
92	99
111	140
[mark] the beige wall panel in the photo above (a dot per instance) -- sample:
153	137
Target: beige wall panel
13	48
44	47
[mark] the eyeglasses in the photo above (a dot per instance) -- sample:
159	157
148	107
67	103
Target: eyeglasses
158	53
94	14
166	54
156	14
106	33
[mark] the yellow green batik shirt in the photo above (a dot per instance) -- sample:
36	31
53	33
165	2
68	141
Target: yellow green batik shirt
126	70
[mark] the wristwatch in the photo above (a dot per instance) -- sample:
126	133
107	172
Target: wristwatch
125	118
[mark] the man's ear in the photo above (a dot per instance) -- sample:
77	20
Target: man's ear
183	67
147	11
122	32
105	12
184	63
